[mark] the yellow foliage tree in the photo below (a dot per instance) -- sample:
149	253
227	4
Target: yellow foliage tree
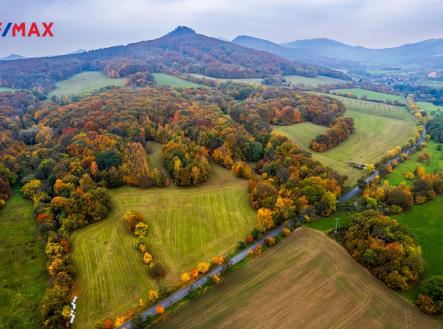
119	321
216	278
203	267
218	260
264	219
147	258
153	295
186	277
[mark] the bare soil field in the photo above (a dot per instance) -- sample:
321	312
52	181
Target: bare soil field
306	281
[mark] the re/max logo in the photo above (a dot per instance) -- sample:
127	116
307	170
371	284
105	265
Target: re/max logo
29	30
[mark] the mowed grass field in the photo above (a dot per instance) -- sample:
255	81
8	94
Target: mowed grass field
84	83
23	276
186	226
370	95
171	81
435	164
373	108
251	81
313	82
377	130
426	224
306	281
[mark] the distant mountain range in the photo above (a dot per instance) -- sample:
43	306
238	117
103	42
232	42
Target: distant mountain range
78	51
331	53
12	57
180	51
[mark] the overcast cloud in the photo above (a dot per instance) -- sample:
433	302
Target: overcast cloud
94	24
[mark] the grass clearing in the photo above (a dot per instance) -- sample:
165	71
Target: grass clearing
435	164
186	226
426	224
306	281
328	223
84	83
313	82
376	132
7	90
23	275
429	108
382	71
170	81
250	81
370	95
154	158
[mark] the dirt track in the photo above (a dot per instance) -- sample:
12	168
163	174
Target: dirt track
307	281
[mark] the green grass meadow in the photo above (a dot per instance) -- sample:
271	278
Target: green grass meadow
378	129
154	159
7	90
84	83
186	226
425	223
313	82
435	164
429	108
23	276
250	81
170	81
370	95
328	223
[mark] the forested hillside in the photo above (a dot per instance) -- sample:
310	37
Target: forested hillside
66	156
180	51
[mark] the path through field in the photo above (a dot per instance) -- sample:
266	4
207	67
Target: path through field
307	281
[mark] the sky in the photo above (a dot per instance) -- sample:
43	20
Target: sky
91	24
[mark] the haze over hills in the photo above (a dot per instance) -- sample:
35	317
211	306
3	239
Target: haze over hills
12	57
180	51
302	54
425	54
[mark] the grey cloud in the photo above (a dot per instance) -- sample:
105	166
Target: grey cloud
99	23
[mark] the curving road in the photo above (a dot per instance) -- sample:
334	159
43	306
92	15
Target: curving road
185	291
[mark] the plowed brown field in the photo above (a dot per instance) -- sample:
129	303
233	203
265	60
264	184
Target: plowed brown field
306	281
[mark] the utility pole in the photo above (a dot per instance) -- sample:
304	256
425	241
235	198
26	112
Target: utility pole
337	225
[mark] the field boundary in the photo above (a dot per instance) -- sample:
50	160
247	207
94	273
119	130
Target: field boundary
185	291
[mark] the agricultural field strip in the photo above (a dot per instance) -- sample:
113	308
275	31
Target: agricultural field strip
172	81
227	195
371	95
357	190
357	148
335	296
185	291
84	83
313	82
